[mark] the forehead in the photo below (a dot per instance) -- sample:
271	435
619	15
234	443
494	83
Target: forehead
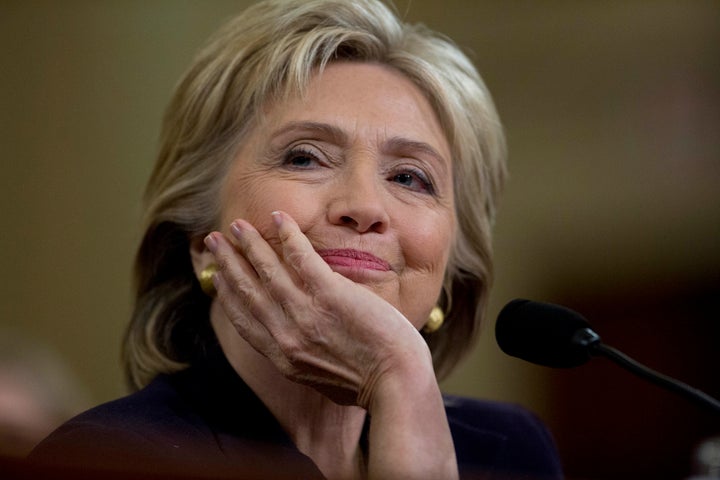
362	98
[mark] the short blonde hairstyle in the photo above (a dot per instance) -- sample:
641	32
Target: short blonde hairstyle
269	53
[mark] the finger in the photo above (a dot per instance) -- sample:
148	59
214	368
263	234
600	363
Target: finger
300	255
252	331
291	313
238	273
273	274
239	294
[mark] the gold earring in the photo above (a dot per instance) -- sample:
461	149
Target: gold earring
435	320
206	281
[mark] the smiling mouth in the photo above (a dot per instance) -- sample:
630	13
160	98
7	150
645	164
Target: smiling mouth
353	258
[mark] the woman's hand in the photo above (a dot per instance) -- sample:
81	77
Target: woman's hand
323	330
318	327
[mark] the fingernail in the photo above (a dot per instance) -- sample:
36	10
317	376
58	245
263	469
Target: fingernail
277	218
211	243
236	229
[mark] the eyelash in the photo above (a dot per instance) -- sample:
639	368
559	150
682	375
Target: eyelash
298	152
419	175
427	185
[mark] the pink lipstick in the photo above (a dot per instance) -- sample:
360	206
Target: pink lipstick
345	257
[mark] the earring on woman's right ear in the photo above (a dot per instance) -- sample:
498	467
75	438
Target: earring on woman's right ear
206	280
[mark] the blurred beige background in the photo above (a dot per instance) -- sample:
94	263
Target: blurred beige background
612	110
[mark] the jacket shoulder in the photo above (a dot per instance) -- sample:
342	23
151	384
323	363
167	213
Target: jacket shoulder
501	438
150	426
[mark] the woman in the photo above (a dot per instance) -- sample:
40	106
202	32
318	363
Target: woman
326	184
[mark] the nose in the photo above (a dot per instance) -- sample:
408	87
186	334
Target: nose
358	201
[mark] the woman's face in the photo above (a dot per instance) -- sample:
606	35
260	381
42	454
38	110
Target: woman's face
364	168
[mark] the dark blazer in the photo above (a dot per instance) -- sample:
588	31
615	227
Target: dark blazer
205	422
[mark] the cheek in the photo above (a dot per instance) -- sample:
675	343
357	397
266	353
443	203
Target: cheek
426	248
254	199
427	243
242	200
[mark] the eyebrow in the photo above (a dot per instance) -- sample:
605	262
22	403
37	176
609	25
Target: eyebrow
324	130
400	144
339	137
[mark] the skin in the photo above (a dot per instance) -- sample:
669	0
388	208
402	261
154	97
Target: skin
340	216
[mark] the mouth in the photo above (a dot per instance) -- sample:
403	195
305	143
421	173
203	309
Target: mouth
344	257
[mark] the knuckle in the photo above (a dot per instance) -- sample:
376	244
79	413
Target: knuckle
296	259
285	234
247	303
241	298
266	273
239	285
292	348
223	262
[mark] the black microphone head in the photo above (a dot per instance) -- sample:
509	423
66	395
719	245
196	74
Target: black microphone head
544	333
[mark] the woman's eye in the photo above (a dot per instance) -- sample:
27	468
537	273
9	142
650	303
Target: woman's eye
415	181
300	159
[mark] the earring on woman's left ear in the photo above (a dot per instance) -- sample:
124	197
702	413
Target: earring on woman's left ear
435	320
206	281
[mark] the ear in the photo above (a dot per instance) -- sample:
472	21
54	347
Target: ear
199	255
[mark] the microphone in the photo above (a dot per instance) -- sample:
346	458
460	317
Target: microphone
555	336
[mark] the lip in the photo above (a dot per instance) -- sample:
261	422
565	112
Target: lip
346	257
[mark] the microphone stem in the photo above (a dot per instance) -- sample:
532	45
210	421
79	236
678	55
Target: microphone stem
655	377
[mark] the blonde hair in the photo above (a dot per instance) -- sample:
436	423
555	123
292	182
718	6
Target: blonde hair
269	53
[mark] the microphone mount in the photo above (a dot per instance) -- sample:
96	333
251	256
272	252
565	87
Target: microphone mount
555	336
653	376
